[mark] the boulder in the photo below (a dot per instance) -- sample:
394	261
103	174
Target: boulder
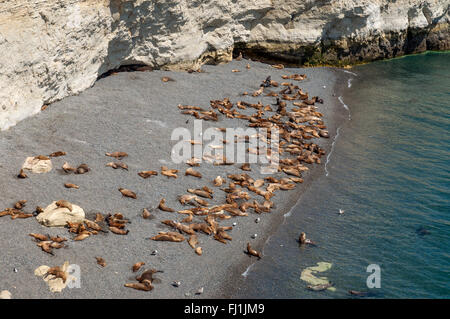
37	165
54	216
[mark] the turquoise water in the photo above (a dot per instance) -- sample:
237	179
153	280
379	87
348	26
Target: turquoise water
390	171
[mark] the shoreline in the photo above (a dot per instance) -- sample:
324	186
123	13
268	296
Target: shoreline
74	125
334	120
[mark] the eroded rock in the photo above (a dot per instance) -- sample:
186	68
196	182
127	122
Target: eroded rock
37	166
57	216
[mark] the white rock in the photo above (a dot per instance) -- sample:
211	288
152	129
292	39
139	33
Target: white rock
5	294
37	166
54	216
54	284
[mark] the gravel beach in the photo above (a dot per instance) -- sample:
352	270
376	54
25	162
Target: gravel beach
136	112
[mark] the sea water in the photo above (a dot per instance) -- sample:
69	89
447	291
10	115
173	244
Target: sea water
390	172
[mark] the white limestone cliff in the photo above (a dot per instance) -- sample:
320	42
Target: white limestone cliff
50	49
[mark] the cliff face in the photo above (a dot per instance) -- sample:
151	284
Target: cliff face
54	48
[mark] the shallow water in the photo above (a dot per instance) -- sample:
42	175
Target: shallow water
390	172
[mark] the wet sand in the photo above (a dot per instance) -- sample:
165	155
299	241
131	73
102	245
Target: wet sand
136	113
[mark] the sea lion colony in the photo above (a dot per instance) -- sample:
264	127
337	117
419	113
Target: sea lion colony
241	196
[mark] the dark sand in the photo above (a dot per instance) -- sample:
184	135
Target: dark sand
136	113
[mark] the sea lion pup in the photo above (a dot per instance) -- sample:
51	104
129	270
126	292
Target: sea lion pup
22	174
250	251
137	266
82	169
303	240
190	171
20	204
57	272
168	236
70	185
146	214
169	172
118	155
198	251
64	203
147	174
57	154
101	261
67	168
167	79
193	241
127	193
162	206
218	181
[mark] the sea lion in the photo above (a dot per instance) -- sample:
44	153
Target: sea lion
145	285
81	236
127	193
118	231
64	203
252	252
190	171
167	79
22	174
146	214
82	169
278	66
45	246
199	251
193	240
67	168
358	293
218	181
20	204
147	174
70	185
116	165
303	240
57	154
118	155
169	172
162	206
246	167
168	236
57	272
40	237
137	266
101	261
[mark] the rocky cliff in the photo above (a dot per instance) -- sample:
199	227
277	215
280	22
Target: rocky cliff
54	48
